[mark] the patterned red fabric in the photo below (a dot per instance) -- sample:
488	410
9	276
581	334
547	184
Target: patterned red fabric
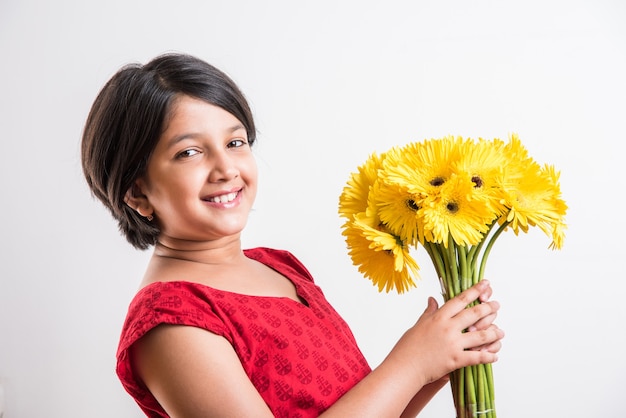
301	357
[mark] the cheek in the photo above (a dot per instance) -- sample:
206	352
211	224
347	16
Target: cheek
174	190
250	176
252	169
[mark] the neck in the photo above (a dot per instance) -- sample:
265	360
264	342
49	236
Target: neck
213	252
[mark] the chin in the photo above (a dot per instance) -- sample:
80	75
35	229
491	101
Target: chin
226	230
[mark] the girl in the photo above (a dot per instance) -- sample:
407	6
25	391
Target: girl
219	331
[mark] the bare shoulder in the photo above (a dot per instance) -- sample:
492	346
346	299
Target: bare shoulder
195	373
161	269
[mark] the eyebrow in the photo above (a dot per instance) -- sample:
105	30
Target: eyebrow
176	139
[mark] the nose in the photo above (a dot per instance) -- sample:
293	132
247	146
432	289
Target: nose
223	168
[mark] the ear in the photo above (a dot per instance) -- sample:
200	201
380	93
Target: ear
137	200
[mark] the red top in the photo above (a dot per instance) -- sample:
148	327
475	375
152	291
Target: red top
301	357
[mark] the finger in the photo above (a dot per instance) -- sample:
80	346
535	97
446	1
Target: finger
431	308
483	338
459	302
483	323
486	321
479	357
486	294
472	315
432	305
493	347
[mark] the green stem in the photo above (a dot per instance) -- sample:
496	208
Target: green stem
470	388
480	396
449	257
459	267
492	240
446	274
437	258
461	389
464	269
472	255
492	395
476	255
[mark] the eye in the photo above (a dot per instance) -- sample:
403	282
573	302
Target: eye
236	143
190	152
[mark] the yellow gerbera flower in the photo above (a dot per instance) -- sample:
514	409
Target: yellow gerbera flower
452	214
515	151
445	193
422	167
483	162
560	207
534	199
398	211
354	197
558	235
380	256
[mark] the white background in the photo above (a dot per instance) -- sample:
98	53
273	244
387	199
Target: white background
329	82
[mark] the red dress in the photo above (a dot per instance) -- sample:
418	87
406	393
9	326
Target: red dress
301	357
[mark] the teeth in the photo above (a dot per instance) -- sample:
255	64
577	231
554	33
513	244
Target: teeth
225	198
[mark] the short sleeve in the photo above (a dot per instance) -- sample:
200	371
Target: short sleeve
174	303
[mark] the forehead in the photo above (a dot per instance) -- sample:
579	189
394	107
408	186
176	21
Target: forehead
184	106
190	116
181	105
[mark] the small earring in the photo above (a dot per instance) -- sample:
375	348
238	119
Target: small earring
149	218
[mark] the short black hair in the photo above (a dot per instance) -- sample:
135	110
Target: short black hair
127	119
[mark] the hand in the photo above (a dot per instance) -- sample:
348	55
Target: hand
418	365
437	343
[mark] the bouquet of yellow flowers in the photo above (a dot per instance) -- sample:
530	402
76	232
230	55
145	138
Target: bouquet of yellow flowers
454	197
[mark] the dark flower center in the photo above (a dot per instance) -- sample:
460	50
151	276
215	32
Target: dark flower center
452	207
411	204
437	181
478	182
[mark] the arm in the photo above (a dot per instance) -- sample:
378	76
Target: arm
194	373
424	396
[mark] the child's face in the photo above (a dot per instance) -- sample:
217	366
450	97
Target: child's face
201	180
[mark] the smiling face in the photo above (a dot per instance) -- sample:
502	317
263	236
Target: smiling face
201	179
